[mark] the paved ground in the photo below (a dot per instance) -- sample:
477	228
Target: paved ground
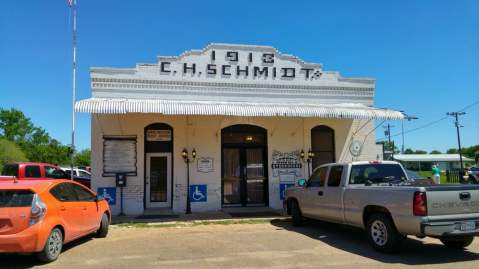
270	245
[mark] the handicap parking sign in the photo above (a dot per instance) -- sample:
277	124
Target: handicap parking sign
198	193
108	193
282	189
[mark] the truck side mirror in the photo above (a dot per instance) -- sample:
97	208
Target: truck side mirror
99	198
301	182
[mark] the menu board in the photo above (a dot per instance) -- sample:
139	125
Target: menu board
119	156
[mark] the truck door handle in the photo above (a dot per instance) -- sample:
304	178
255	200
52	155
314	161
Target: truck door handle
320	193
62	208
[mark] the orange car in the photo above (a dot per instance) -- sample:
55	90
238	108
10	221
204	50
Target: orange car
39	216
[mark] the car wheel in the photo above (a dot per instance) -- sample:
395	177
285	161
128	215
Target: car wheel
457	243
53	246
382	233
104	224
296	214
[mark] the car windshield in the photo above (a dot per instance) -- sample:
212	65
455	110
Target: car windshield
376	173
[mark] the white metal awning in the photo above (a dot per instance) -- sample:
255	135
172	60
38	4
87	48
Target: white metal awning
212	108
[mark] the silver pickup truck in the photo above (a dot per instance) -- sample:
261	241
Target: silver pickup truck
379	198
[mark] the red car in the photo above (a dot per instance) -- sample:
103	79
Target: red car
30	170
39	216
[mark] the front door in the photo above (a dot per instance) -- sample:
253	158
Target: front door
244	176
158	180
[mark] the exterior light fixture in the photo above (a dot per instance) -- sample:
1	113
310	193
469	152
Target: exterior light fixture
249	138
184	154
301	154
309	160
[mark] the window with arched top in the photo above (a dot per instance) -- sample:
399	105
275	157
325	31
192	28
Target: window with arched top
322	144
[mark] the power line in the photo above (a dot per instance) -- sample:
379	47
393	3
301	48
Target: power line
432	122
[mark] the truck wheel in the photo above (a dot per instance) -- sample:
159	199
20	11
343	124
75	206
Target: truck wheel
296	214
104	224
382	233
53	246
457	243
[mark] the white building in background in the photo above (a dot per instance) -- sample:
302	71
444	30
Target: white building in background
248	112
426	161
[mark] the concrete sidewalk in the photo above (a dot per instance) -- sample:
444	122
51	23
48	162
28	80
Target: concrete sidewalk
166	216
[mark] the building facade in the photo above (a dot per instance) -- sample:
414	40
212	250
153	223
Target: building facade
251	121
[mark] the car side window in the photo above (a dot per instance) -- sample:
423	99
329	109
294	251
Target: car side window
83	194
335	174
32	171
63	192
53	172
318	178
84	174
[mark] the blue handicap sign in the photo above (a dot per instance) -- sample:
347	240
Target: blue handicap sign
198	193
282	189
108	193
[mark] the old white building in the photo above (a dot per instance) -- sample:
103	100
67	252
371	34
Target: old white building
254	117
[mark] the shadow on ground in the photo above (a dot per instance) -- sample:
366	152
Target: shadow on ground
12	261
412	252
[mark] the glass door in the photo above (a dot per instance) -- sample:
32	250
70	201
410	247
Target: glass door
244	176
255	176
158	179
232	174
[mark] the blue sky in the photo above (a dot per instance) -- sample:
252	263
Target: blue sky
423	54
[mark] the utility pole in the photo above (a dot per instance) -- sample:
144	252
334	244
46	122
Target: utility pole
73	6
456	116
390	145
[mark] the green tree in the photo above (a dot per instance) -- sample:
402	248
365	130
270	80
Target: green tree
34	141
409	151
10	152
82	158
452	151
435	152
419	151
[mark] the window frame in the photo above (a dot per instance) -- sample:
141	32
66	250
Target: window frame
71	189
120	138
322	183
340	178
27	166
79	187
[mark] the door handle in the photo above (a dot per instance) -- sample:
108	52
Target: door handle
320	193
62	208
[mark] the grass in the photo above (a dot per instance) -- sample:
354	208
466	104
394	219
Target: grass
192	223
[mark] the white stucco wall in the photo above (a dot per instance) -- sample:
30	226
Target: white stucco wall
204	134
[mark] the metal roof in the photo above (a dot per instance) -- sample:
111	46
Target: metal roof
182	107
429	158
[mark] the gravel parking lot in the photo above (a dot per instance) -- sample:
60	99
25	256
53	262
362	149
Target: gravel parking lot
267	245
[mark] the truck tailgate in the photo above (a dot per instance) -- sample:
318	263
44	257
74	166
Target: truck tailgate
452	199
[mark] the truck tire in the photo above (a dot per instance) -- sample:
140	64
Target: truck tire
457	243
296	213
53	246
104	224
382	233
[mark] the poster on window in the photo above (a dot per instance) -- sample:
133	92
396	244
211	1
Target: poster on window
119	156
